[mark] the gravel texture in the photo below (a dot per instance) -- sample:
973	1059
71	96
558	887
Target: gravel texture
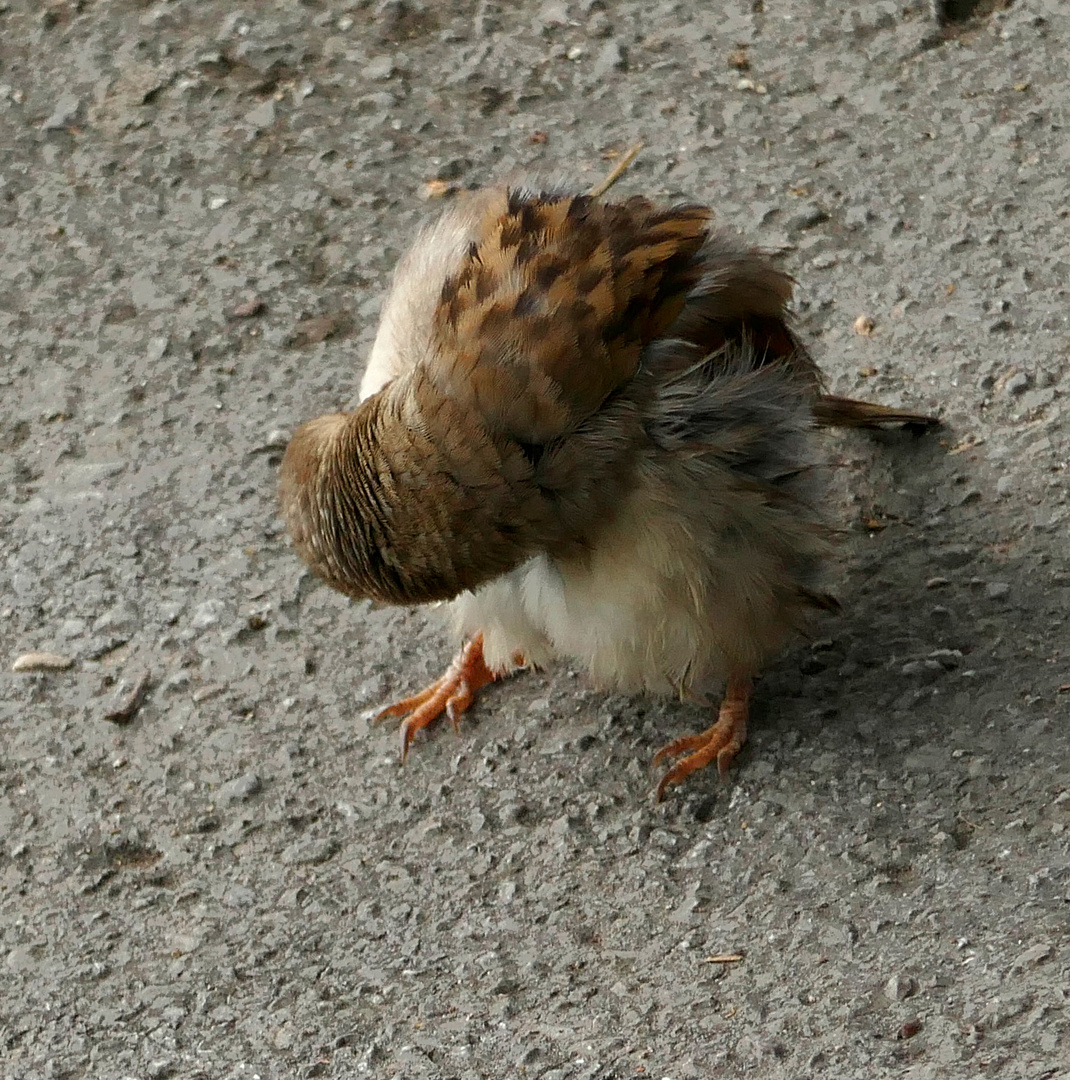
211	865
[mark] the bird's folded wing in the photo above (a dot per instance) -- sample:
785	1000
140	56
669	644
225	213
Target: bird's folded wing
552	304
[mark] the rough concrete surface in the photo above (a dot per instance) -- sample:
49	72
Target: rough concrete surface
199	207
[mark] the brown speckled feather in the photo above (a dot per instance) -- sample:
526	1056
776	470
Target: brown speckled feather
549	311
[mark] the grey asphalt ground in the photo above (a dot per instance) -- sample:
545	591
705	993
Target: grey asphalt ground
200	205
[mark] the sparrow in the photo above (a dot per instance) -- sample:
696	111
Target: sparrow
588	424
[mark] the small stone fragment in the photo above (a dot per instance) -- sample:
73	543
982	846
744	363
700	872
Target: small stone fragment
552	14
909	1029
208	614
599	26
128	699
900	987
309	852
41	661
996	590
925	671
157	349
1017	384
379	69
318	328
64	113
949	659
241	788
864	326
277	439
262	116
808	216
953	556
1032	956
611	57
1034	400
246	310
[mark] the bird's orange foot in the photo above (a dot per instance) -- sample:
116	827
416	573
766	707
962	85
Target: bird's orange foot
721	742
452	694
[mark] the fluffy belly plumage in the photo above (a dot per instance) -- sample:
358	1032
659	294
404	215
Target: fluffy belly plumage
647	607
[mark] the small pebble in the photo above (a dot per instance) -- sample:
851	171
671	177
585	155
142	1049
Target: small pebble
277	439
900	987
208	614
262	116
1034	400
947	658
611	57
379	69
995	590
808	215
1018	384
909	1029
157	349
309	852
953	556
864	326
246	310
1037	954
241	788
128	698
552	14
925	671
64	113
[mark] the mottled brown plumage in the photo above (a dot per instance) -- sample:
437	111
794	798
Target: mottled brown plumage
591	426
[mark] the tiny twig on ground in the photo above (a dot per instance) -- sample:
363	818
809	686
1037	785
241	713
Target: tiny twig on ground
616	172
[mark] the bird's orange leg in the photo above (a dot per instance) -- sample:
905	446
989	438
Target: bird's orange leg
452	694
722	741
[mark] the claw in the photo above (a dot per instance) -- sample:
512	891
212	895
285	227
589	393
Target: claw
452	694
721	742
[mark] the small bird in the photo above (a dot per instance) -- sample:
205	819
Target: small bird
588	425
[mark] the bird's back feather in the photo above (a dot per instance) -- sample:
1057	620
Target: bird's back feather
553	303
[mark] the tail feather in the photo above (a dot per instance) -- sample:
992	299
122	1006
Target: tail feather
832	411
